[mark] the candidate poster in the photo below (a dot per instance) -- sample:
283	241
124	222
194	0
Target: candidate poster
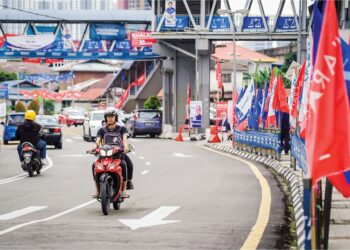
196	114
170	13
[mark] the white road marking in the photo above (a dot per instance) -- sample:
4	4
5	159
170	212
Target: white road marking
21	212
77	137
25	175
141	157
145	172
69	140
181	155
153	219
148	163
11	229
134	153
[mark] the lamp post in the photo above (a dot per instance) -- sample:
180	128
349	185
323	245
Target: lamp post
232	14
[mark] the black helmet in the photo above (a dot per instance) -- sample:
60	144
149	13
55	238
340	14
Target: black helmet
111	111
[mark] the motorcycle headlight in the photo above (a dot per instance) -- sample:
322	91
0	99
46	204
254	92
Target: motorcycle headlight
103	153
110	152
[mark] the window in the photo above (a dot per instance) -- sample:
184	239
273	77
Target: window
86	4
226	77
103	5
60	6
43	5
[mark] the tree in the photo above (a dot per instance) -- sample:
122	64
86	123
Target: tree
152	102
20	107
34	105
49	107
7	76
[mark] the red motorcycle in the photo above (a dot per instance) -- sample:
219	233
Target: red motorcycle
108	176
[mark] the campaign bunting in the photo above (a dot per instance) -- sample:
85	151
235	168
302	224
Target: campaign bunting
196	114
170	13
104	31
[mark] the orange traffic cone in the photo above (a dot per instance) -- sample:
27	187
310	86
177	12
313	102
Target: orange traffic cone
179	137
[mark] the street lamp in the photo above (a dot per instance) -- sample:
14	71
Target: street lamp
232	14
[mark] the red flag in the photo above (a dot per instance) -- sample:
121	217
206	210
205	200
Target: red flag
188	93
327	130
119	104
297	90
219	75
59	97
280	98
141	80
340	183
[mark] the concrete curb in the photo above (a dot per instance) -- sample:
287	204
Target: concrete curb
287	174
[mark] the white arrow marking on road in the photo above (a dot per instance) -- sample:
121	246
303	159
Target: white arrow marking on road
141	157
69	140
148	163
181	155
21	212
25	175
145	172
153	219
11	229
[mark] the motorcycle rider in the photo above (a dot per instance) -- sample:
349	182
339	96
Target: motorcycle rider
112	132
129	164
30	131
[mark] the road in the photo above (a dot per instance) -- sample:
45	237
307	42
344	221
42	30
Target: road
209	200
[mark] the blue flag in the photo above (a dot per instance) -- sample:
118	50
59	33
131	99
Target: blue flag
256	110
316	30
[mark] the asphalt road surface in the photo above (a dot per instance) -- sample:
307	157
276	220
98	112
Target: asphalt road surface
185	197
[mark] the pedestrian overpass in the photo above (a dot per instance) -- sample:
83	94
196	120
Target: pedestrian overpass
184	49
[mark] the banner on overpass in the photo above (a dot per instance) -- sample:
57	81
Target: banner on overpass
170	13
101	31
142	39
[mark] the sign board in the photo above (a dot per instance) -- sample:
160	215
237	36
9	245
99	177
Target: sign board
142	39
286	23
221	115
254	23
105	31
196	114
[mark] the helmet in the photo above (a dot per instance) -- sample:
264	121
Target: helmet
30	115
111	111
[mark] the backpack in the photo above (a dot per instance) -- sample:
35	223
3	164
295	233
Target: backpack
113	137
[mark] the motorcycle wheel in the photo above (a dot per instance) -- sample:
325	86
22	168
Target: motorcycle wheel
30	170
105	197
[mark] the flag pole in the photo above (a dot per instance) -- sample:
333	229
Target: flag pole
327	213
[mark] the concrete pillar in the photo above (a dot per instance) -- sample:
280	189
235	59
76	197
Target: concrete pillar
204	88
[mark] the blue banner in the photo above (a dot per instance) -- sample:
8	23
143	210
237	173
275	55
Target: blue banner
43	30
93	46
286	23
107	32
254	23
127	55
122	46
298	151
218	23
181	23
259	139
4	91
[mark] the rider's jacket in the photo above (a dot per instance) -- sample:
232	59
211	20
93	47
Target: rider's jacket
29	132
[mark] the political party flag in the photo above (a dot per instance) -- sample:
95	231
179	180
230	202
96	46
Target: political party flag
280	99
327	139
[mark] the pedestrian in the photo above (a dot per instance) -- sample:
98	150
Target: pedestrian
285	136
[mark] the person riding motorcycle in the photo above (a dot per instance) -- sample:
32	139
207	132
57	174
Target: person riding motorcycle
30	131
112	133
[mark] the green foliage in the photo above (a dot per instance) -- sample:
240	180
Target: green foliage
49	107
152	102
34	105
7	76
20	107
